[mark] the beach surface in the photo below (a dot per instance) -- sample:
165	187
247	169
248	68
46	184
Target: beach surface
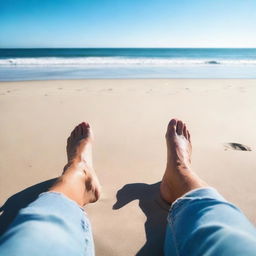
129	120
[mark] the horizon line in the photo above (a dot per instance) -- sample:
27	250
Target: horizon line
6	48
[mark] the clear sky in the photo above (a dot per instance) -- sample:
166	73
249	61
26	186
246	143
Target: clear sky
127	23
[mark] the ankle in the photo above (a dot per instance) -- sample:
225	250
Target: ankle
75	164
73	183
180	168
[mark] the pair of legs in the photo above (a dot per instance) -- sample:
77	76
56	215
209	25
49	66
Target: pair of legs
200	221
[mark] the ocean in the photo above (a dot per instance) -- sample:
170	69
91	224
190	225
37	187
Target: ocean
85	63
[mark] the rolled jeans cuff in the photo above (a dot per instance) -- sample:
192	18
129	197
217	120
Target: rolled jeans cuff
198	194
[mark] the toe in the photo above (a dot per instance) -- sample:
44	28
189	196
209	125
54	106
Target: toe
185	131
76	131
86	125
83	125
172	126
189	136
80	129
179	128
173	122
73	133
85	128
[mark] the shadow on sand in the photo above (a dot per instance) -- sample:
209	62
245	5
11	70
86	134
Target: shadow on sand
20	200
149	201
154	209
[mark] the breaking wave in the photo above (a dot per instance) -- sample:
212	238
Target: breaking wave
119	61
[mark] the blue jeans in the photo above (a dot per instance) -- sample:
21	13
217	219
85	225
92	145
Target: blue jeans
52	225
201	222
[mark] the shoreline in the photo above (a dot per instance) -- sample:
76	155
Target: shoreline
113	79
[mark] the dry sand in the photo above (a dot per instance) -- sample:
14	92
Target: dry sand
129	118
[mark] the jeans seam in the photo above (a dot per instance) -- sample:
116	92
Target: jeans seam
174	236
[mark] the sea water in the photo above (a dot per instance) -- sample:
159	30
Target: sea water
76	63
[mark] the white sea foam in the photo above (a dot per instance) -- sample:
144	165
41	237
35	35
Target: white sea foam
119	61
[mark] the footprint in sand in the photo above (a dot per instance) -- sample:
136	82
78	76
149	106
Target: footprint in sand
236	146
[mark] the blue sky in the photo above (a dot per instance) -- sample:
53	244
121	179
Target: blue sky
127	23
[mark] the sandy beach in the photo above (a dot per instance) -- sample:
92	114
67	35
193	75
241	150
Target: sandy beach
129	119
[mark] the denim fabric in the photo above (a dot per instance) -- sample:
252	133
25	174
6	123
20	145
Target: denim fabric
52	225
202	222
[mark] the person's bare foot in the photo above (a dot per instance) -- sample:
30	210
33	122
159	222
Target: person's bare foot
178	177
79	180
79	146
